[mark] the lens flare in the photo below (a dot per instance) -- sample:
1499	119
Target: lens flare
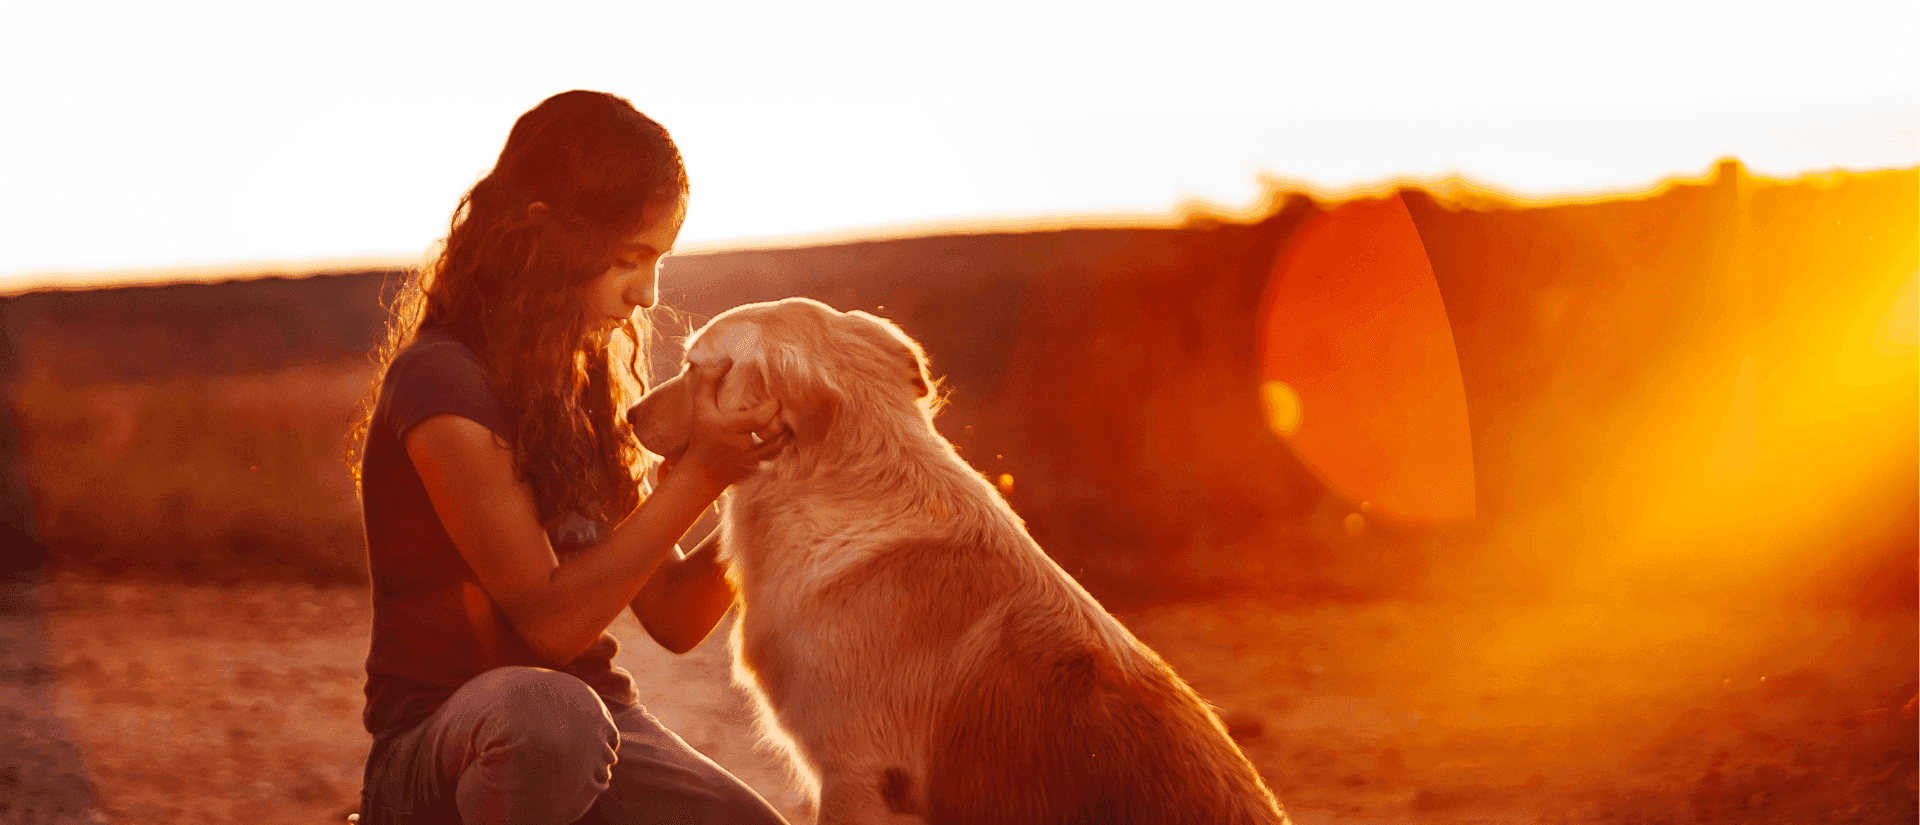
1352	326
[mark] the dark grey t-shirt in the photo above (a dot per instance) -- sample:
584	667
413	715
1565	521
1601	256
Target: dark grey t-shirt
433	625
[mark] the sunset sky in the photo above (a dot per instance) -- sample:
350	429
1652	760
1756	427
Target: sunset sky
221	136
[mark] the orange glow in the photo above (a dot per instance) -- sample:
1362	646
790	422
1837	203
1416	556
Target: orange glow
1359	368
1282	405
1765	442
1674	521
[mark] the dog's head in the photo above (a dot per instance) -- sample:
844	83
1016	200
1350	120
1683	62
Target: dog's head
819	363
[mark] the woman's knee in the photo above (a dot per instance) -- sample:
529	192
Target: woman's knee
542	752
548	710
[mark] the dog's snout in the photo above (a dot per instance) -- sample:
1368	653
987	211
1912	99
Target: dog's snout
662	420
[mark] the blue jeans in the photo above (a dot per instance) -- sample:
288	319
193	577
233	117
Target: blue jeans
528	746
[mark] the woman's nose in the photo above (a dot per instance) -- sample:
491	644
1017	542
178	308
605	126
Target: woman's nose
646	293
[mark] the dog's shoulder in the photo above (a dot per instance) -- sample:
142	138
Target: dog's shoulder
932	589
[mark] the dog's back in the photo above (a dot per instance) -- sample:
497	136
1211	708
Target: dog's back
1054	712
1051	731
1066	718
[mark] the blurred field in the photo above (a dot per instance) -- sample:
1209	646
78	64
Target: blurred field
219	478
1689	594
193	432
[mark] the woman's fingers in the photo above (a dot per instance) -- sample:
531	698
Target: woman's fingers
770	448
757	418
705	396
730	444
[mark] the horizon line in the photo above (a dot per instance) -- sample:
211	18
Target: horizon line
1450	187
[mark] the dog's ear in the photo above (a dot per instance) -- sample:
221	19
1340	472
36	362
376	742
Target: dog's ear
807	393
917	373
745	384
917	376
764	368
889	336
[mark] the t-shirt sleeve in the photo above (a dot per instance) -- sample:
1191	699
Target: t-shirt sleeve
440	378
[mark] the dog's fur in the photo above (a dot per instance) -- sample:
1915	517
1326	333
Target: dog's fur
922	656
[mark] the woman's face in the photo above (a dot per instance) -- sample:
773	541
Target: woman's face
634	278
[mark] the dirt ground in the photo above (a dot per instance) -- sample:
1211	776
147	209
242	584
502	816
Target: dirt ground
146	703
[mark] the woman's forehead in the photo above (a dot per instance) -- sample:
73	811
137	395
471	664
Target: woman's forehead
660	223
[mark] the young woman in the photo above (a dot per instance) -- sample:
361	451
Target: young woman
500	487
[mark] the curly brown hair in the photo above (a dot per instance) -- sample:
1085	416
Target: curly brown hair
505	282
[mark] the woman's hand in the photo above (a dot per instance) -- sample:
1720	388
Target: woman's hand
726	446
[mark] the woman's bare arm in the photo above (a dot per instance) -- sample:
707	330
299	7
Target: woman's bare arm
686	597
559	608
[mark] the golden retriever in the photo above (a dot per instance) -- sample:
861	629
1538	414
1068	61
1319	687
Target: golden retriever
910	646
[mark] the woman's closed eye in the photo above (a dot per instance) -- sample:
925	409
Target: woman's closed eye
638	257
